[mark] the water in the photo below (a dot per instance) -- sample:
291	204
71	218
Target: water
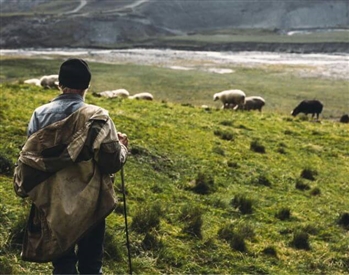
334	66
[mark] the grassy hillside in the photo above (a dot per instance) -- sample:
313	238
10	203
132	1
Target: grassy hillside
282	86
208	191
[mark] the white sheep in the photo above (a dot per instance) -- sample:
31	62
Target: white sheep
144	96
49	81
230	98
122	93
252	103
33	81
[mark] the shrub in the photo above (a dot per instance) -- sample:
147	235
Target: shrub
5	266
242	203
146	218
281	150
112	249
238	243
6	166
301	240
224	135
344	220
301	185
315	191
262	180
226	232
257	147
233	164
204	184
218	151
283	214
150	242
229	232
311	229
17	232
119	209
308	174
156	188
226	123
270	251
192	217
246	231
139	150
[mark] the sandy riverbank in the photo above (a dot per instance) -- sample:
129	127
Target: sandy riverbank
334	66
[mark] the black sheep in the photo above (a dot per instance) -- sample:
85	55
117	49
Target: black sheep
309	107
344	118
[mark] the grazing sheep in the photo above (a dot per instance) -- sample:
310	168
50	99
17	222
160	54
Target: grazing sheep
230	98
308	107
252	103
49	81
144	96
34	81
344	119
122	93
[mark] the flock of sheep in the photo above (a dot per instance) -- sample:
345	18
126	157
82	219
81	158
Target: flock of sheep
51	82
122	93
231	99
237	100
46	81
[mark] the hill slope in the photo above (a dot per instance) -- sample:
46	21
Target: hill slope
48	23
202	196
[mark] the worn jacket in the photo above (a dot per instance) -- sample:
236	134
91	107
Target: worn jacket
65	170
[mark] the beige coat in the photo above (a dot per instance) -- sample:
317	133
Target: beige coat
69	192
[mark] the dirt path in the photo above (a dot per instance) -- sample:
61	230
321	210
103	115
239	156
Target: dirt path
78	8
131	6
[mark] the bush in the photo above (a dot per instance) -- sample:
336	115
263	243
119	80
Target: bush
226	123
242	203
6	166
270	251
257	147
150	242
238	243
192	217
315	191
204	184
301	240
17	232
146	218
262	180
283	214
224	135
229	232
301	185
112	249
226	232
218	151
233	164
344	220
308	174
246	231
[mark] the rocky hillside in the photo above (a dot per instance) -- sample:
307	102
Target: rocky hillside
115	24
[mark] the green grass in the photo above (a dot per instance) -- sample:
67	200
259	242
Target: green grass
174	147
281	88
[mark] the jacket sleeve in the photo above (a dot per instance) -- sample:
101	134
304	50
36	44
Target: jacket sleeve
109	153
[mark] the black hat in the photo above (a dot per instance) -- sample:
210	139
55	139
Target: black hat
74	73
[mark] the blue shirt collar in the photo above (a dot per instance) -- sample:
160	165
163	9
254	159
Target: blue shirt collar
68	96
